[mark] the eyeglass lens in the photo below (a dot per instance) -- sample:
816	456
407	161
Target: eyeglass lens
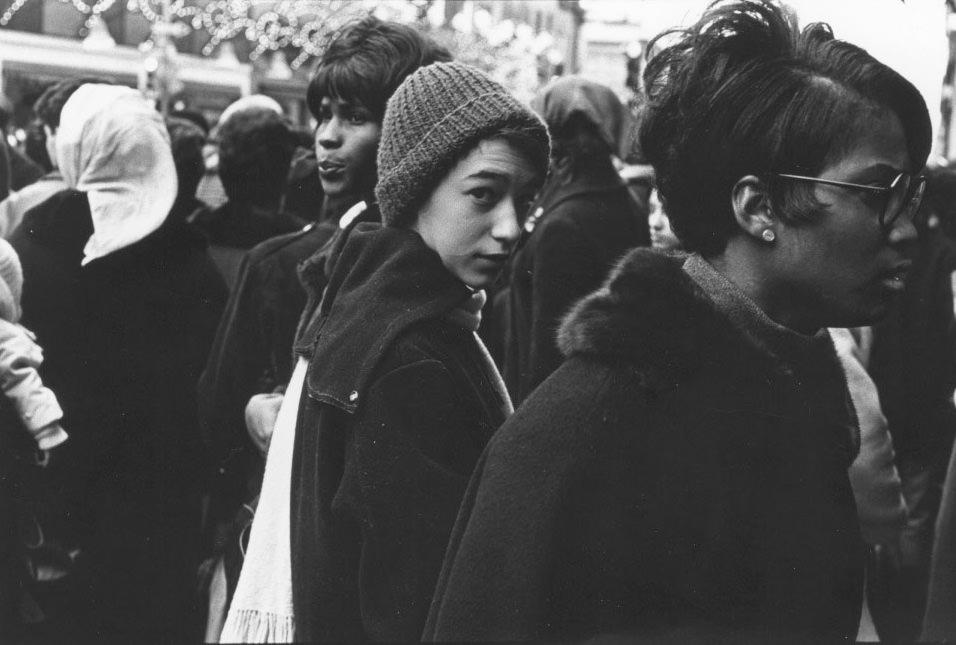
905	196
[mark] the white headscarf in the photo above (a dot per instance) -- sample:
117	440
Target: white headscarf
113	146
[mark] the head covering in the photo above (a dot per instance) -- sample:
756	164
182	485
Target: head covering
11	282
112	145
435	115
257	101
561	99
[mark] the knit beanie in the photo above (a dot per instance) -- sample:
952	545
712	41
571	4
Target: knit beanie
435	116
11	282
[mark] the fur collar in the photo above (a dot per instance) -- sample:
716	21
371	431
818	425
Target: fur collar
652	314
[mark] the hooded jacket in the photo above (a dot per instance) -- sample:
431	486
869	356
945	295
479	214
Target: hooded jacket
581	228
681	477
581	225
400	403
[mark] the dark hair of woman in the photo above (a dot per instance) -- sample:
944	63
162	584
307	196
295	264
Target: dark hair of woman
367	61
747	92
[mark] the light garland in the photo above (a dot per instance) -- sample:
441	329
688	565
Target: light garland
299	24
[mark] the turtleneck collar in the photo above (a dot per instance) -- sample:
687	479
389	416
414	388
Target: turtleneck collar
783	342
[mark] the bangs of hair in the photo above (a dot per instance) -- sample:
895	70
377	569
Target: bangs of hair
352	81
367	61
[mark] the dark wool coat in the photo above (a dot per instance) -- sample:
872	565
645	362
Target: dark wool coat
580	230
252	353
398	405
671	481
125	338
232	229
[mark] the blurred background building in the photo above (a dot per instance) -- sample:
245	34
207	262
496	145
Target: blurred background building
203	54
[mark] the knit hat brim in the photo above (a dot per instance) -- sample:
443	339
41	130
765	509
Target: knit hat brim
414	155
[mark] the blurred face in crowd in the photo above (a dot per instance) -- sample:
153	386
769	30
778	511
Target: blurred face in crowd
843	269
346	143
662	237
473	218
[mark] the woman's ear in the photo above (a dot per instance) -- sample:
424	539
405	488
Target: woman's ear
751	204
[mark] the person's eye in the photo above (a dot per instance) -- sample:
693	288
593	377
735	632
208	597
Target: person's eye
325	115
483	194
358	118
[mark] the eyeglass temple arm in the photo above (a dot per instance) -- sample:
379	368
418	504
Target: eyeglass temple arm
831	182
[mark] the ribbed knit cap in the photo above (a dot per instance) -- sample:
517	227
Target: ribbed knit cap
434	116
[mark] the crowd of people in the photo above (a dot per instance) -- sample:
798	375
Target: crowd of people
461	368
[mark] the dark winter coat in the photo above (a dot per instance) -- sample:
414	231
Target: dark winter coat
913	364
252	354
674	479
232	229
399	402
580	230
125	338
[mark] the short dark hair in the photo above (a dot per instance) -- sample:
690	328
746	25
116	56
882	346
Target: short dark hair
744	91
50	104
193	116
255	150
187	140
366	62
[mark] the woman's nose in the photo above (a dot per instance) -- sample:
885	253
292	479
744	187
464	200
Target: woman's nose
506	228
329	135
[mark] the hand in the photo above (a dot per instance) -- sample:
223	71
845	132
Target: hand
261	413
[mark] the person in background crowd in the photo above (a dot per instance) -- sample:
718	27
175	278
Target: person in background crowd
187	140
662	236
27	408
196	118
125	304
23	170
389	427
47	108
913	364
682	477
252	353
20	357
583	221
210	189
919	339
255	151
873	474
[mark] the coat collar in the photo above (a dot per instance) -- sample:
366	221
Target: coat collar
382	280
651	313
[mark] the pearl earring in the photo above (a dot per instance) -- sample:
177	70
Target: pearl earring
768	235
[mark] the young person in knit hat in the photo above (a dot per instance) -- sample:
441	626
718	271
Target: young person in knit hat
394	396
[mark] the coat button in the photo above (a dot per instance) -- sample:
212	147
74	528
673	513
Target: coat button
353	397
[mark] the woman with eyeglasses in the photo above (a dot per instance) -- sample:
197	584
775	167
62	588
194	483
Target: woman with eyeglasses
683	475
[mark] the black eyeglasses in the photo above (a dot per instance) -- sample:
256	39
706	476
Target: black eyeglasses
903	196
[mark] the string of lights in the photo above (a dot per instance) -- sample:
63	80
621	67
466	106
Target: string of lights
302	25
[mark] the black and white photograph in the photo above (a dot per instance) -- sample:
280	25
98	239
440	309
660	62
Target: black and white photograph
590	321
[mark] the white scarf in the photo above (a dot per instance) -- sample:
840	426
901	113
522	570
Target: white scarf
261	609
113	146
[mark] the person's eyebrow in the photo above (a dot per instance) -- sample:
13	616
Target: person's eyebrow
489	174
879	169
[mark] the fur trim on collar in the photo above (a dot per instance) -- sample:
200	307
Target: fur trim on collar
651	313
